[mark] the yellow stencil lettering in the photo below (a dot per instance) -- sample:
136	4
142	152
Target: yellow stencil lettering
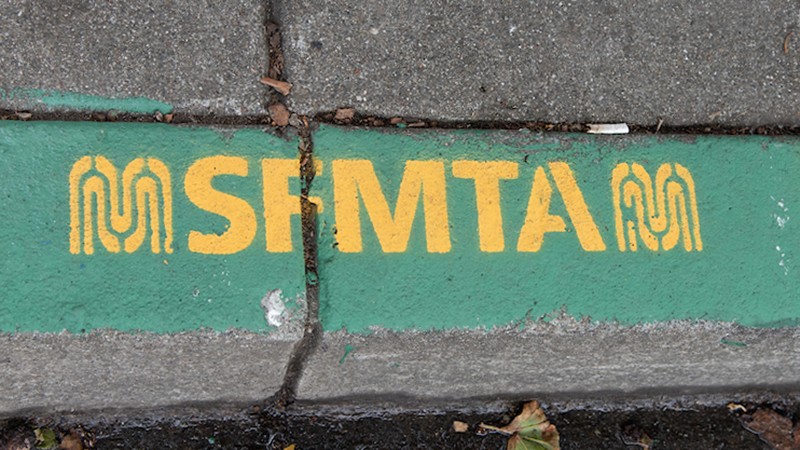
587	231
105	186
354	176
660	208
120	223
632	191
197	184
279	206
160	169
82	166
94	186
617	175
538	221
487	176
145	186
683	172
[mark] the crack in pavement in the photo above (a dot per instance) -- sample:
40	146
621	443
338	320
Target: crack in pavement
312	333
312	330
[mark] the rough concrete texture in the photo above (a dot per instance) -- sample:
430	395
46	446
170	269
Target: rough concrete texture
199	57
109	369
557	360
584	61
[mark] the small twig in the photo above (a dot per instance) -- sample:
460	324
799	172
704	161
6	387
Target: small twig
281	86
786	43
660	122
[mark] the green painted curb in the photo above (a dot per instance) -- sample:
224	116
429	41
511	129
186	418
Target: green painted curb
492	228
720	244
208	266
78	101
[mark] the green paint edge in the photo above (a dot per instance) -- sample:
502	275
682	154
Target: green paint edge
733	343
347	350
74	100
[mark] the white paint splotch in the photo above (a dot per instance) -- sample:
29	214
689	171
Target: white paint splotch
273	305
782	218
285	315
784	260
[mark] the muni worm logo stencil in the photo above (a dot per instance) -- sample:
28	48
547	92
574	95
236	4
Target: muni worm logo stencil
102	184
667	210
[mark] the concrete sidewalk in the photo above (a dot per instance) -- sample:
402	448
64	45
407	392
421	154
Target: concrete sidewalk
138	329
141	57
731	63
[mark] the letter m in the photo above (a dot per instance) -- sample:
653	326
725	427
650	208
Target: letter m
94	187
351	177
662	213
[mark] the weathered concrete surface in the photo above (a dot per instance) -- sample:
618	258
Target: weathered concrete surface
687	62
179	56
556	360
108	369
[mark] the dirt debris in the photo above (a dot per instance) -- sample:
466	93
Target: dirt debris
276	60
280	115
659	126
683	428
71	442
344	114
773	428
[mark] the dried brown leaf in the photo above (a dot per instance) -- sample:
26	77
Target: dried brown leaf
531	413
796	433
281	86
71	442
530	430
773	428
460	427
736	407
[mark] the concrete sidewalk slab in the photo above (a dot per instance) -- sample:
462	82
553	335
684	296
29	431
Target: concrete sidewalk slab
141	56
112	370
556	361
729	63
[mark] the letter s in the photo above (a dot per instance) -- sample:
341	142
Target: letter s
197	184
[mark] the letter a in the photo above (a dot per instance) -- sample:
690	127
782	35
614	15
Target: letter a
539	221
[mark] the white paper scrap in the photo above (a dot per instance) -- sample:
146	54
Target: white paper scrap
608	128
